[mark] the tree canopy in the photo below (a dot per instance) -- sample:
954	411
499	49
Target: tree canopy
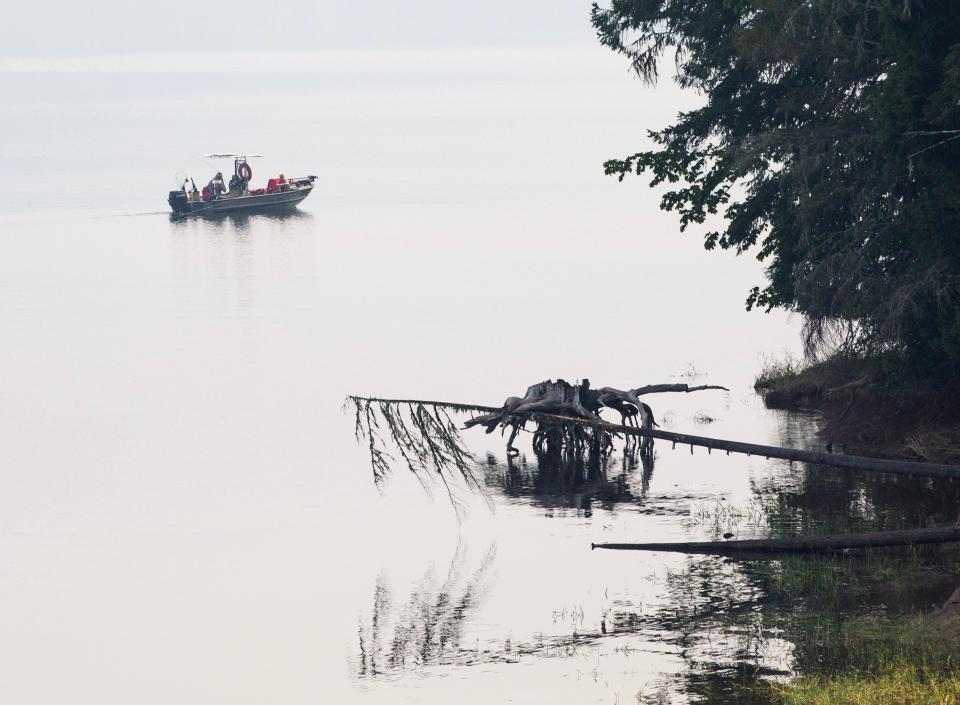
829	140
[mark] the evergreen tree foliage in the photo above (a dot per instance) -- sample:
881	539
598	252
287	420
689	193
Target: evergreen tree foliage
829	140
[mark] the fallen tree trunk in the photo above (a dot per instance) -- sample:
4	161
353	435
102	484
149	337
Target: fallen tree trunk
850	462
799	544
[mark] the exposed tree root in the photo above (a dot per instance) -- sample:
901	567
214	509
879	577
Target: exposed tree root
577	401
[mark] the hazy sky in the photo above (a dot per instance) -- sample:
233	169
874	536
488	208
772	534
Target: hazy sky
64	27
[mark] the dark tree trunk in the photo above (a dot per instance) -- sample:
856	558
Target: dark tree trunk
799	544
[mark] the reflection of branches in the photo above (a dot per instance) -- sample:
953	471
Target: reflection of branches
559	479
712	616
427	629
371	641
715	616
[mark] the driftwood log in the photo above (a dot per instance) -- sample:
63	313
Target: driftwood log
799	544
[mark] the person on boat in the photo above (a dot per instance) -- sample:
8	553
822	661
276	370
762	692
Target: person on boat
217	187
238	185
282	183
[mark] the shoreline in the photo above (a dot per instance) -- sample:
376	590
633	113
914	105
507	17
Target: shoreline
870	406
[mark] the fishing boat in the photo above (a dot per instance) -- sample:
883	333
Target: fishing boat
278	193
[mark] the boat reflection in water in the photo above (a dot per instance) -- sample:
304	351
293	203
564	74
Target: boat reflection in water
242	221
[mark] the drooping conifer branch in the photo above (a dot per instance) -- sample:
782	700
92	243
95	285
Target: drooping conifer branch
423	434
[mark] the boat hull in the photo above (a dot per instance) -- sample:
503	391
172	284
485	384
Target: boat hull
246	204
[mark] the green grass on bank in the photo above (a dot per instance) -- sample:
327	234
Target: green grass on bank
908	662
903	686
793	379
879	405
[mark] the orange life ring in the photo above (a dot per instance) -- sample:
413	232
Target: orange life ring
245	172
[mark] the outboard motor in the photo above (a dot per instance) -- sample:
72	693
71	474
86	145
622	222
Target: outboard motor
178	201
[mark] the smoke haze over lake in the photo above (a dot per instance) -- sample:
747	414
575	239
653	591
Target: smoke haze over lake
184	514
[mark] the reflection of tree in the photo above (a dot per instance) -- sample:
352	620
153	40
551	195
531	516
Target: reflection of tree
426	629
815	598
735	621
818	499
577	481
711	616
731	621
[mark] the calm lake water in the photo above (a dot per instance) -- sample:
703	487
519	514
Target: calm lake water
185	515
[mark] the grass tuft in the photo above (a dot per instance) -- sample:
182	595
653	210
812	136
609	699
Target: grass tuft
902	686
908	661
